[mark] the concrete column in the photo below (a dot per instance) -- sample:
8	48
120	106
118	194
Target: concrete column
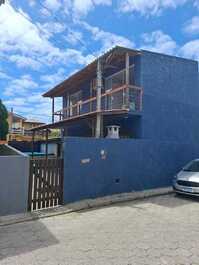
127	79
127	68
99	91
68	106
46	144
53	109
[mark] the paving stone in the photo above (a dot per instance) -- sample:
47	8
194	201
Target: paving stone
154	231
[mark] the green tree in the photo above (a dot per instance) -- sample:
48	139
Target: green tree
3	121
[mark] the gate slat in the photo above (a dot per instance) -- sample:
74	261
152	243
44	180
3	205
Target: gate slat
43	190
30	188
35	173
47	186
57	182
61	180
51	182
39	183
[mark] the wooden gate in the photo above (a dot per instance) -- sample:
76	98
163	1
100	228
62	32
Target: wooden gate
45	183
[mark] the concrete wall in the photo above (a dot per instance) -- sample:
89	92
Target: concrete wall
170	98
14	175
126	165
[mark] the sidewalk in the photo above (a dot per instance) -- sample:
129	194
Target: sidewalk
82	205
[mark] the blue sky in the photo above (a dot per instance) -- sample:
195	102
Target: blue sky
43	41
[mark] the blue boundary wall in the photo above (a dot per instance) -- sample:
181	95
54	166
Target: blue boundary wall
100	167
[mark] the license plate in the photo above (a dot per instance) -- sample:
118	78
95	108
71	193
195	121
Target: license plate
188	189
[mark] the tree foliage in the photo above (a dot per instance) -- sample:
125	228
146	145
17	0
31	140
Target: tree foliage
3	121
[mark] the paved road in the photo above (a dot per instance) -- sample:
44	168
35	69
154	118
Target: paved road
160	230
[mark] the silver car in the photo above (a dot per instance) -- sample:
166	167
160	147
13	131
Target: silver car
187	180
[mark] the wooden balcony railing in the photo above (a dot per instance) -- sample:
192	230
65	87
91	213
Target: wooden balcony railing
20	131
126	97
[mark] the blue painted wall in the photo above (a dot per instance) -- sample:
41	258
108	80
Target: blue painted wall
170	99
136	164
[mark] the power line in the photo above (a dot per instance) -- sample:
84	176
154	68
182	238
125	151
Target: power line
59	21
55	18
29	20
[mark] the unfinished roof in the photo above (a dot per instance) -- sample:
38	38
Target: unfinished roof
114	55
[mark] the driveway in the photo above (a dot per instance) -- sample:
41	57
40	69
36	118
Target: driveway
160	230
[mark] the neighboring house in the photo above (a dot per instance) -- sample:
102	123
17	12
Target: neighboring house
149	95
19	127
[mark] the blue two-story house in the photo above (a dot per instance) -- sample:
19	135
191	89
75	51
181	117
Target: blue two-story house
153	98
149	95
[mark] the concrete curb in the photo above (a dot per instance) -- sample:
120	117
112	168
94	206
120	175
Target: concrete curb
82	205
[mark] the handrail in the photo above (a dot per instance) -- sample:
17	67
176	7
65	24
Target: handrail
130	98
107	93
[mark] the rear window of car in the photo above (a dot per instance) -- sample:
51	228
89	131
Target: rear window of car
192	166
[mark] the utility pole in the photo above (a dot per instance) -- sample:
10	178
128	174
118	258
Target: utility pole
99	92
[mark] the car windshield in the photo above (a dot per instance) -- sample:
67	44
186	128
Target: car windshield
192	166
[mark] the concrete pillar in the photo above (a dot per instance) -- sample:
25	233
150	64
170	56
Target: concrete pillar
127	79
53	109
99	91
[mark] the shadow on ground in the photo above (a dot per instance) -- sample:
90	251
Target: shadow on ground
25	237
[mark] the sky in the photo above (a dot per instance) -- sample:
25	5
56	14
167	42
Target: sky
42	42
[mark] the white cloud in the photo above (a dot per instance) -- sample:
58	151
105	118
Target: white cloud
196	4
34	106
25	62
72	7
54	5
107	39
82	7
51	28
70	56
74	37
53	79
31	2
20	35
3	75
20	86
192	26
190	50
157	41
146	7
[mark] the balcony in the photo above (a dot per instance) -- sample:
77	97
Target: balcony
20	131
123	98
